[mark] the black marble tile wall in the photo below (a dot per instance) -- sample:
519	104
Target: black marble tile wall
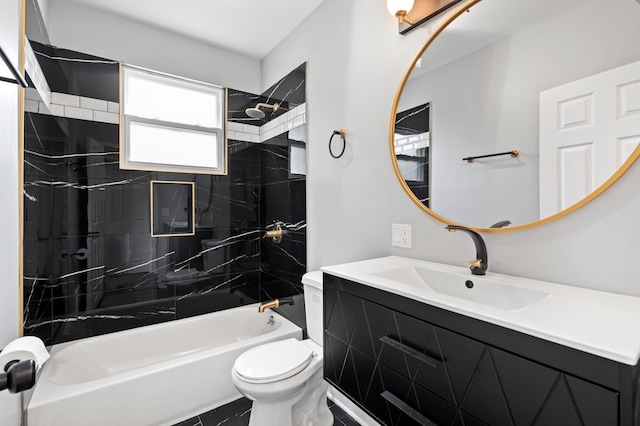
91	265
287	93
283	203
77	73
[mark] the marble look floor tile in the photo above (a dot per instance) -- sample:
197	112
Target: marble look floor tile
237	413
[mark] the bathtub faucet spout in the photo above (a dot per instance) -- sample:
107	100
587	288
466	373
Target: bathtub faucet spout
275	303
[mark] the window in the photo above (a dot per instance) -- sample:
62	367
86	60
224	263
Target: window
172	124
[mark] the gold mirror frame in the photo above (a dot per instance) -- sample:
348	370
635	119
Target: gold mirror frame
602	188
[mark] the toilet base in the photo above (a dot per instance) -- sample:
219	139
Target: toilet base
305	408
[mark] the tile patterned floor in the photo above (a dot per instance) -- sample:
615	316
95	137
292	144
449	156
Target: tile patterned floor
237	413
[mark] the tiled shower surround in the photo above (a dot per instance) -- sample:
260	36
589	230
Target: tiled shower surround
91	265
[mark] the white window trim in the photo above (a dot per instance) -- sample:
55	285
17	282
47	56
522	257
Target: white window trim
126	120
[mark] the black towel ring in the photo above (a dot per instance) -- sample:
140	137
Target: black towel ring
342	133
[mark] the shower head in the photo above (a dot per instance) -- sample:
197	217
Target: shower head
256	112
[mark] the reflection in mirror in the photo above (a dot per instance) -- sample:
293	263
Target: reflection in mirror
503	78
420	12
297	151
172	208
411	146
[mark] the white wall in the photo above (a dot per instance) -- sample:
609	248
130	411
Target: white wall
44	10
356	60
9	194
500	85
87	30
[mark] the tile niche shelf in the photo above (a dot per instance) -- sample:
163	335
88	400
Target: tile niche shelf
172	208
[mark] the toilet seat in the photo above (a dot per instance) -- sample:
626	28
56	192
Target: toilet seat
274	361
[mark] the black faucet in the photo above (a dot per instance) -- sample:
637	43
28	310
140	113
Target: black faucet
481	262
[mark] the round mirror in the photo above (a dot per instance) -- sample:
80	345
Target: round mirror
517	112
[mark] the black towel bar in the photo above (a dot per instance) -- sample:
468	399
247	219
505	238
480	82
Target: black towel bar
514	153
18	78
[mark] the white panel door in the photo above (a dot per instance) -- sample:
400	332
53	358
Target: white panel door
588	129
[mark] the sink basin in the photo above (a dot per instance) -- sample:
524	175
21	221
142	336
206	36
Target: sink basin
596	322
475	289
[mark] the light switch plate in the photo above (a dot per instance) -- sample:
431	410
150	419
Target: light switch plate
400	235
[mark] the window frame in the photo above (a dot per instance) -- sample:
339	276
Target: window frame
126	120
155	207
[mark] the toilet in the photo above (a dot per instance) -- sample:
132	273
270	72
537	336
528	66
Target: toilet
284	379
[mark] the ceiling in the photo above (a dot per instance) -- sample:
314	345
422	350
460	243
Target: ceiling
488	22
249	27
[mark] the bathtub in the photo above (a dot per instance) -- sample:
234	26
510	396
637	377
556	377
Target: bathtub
154	375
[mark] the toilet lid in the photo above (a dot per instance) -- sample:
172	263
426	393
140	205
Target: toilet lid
273	361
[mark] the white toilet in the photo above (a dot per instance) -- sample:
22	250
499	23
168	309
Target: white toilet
284	379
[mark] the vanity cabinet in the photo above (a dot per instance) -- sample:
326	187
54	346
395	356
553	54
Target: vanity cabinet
406	362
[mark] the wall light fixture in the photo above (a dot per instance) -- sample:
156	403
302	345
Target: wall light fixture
413	13
399	9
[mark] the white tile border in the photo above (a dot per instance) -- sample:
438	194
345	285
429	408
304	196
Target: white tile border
113	107
91	109
258	134
65	99
94	104
57	110
76	112
79	107
42	101
106	117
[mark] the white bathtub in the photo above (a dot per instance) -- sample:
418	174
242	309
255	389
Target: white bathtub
154	375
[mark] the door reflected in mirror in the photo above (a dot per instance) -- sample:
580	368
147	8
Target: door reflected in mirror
485	75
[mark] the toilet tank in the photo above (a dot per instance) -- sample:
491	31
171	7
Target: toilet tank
312	282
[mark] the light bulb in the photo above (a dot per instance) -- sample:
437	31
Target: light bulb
395	6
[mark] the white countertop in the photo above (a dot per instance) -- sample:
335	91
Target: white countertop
596	322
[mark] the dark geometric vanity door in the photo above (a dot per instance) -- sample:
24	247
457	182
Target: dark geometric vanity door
405	371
